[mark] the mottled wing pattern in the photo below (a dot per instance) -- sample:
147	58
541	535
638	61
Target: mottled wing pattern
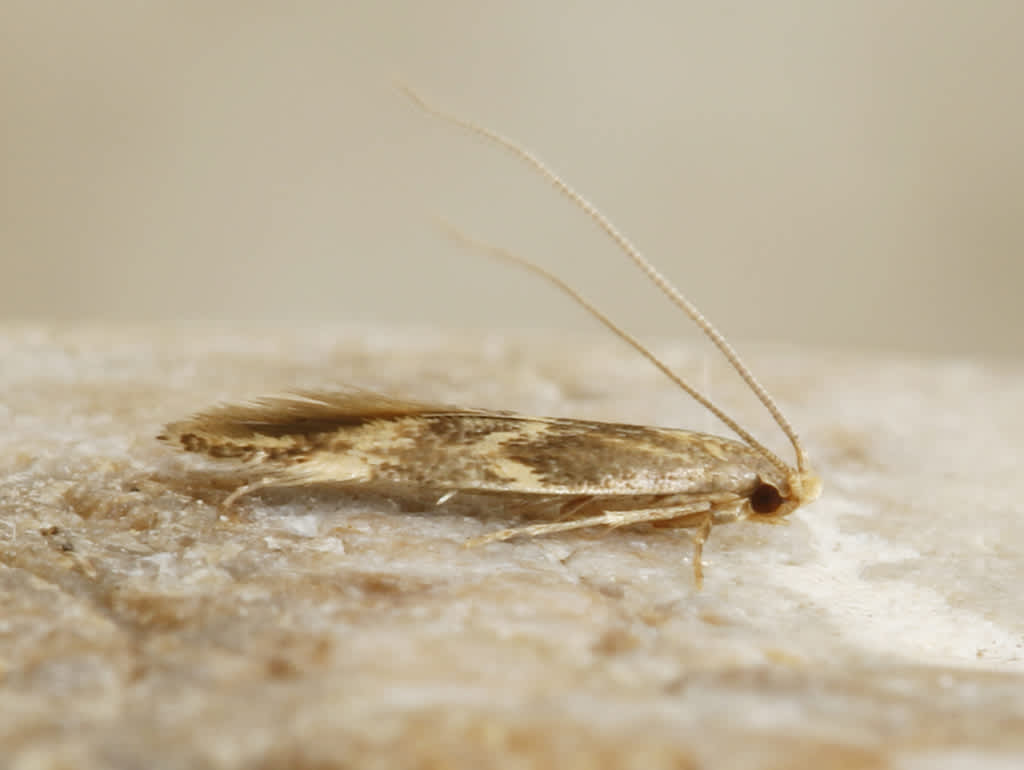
364	438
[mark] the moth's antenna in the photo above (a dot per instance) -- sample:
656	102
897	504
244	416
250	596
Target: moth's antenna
696	395
674	295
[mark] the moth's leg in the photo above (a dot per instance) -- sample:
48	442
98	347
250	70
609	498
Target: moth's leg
254	486
548	503
611	519
571	508
445	498
699	538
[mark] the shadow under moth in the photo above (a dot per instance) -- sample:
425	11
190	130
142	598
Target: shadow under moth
582	473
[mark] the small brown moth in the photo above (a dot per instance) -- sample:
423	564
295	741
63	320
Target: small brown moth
586	473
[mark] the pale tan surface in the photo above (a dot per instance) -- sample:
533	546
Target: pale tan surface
882	628
840	173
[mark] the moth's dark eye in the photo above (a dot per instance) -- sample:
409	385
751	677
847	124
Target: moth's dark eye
766	499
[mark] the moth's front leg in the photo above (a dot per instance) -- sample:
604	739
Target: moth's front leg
699	514
613	519
267	482
703	521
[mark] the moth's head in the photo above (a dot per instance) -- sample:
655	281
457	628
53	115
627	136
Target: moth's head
771	500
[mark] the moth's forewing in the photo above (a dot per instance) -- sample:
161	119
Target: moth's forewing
356	437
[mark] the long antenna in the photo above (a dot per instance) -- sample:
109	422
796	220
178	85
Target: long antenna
631	251
696	395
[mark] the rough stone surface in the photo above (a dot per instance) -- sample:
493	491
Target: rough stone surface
882	627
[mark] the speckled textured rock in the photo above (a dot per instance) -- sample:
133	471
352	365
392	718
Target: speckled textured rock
883	626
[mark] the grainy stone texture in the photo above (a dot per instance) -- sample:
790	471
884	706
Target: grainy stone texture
882	627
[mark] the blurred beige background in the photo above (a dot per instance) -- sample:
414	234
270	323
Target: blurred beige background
836	173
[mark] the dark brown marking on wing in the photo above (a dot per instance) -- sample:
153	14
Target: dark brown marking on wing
443	451
455	429
595	454
246	451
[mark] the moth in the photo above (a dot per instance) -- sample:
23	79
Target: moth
580	473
